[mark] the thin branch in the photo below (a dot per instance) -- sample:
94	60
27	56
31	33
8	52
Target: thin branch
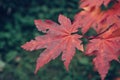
101	32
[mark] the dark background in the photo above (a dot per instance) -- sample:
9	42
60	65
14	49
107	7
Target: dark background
17	27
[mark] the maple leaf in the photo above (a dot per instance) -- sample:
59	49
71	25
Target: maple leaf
92	3
98	19
106	47
59	39
89	17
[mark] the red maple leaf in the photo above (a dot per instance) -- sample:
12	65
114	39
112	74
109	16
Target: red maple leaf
98	19
106	47
88	18
92	3
111	16
59	39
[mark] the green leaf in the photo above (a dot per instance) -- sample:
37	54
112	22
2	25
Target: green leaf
10	56
2	65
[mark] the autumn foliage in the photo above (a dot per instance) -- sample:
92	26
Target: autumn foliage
63	38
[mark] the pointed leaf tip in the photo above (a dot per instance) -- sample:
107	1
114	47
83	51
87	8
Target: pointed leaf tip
63	20
66	66
36	70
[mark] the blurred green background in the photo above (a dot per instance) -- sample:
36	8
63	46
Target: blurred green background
17	27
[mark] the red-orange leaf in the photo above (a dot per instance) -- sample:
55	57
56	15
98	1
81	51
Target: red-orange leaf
106	48
91	3
59	39
98	19
90	17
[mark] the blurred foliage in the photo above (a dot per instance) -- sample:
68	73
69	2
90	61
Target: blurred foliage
17	26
